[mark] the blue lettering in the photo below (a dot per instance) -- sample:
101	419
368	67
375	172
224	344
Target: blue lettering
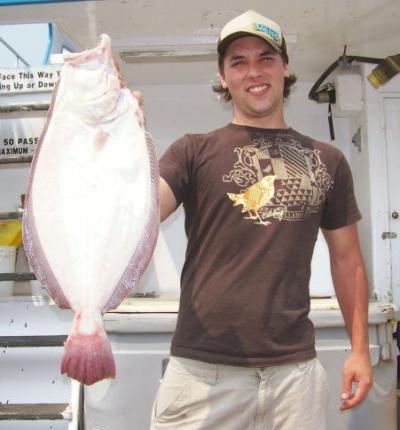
267	30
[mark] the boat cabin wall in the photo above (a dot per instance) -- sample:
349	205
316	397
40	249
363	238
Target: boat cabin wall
173	110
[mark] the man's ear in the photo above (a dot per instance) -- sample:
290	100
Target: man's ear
222	80
287	72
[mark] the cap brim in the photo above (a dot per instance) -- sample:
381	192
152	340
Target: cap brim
223	45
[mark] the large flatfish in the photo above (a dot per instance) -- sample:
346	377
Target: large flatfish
91	217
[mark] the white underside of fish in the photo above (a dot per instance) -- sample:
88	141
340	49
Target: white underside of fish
91	218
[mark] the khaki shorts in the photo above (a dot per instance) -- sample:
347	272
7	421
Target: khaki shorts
197	395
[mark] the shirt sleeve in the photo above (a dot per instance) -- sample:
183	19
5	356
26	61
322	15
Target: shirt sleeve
176	166
341	207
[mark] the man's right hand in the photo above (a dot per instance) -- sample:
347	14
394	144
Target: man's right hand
139	97
141	116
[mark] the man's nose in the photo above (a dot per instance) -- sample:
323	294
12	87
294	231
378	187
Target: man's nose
254	70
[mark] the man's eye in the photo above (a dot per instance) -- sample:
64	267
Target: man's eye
237	63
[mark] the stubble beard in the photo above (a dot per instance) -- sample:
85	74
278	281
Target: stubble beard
267	108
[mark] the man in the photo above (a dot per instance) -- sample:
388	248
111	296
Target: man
255	194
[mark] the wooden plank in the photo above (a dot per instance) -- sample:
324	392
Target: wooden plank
32	341
28	411
10	215
16	160
22	276
27	107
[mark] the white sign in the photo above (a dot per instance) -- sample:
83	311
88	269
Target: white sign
38	79
19	136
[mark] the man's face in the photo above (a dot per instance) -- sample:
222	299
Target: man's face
254	74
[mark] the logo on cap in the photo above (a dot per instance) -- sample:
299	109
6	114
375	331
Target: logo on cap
268	31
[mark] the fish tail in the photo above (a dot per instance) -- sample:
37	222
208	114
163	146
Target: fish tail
88	358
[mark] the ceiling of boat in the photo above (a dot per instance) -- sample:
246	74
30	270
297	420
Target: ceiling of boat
317	30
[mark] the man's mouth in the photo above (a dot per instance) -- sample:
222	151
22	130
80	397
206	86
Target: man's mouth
258	89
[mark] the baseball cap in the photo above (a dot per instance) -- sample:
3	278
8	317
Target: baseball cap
253	24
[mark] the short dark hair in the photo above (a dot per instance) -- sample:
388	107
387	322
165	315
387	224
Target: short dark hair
226	95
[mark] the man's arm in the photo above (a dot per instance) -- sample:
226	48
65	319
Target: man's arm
349	278
168	202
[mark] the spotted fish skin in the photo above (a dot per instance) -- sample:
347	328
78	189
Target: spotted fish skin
91	218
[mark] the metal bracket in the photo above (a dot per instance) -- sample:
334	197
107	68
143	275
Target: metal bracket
356	140
389	235
385	335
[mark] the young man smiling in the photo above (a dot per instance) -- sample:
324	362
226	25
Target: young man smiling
255	194
254	73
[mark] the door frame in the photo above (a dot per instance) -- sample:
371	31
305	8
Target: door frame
375	122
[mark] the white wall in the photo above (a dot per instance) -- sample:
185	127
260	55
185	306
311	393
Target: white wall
173	110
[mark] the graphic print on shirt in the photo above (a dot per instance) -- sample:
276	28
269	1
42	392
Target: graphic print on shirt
279	179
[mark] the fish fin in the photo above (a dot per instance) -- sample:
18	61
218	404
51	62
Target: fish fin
145	247
37	257
88	358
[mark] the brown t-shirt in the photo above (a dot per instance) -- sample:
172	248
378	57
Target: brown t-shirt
254	200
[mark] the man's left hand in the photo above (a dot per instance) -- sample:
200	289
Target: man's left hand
357	369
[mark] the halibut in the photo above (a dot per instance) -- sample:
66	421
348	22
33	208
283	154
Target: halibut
91	215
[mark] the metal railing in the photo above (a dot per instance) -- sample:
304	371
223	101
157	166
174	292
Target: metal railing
11	49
